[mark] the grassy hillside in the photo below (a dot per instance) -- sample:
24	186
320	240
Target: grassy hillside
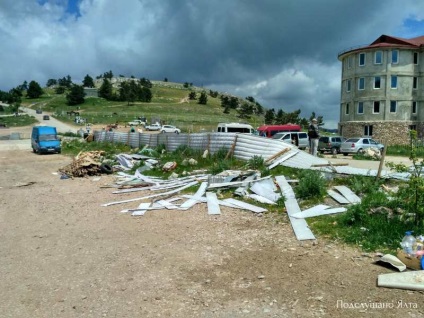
169	103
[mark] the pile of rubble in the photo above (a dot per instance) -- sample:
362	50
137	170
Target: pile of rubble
86	164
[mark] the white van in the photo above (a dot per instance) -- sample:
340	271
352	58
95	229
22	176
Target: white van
299	139
235	128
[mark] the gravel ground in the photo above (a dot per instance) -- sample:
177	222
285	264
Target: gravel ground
64	255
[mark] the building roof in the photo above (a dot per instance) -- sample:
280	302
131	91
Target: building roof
389	41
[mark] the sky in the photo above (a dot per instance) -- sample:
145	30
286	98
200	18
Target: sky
281	52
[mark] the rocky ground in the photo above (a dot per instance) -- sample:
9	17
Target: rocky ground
64	255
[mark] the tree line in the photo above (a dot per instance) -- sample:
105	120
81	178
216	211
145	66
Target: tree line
134	89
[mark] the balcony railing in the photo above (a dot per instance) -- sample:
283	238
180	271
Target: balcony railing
352	48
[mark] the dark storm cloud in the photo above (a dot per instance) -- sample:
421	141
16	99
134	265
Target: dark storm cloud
283	53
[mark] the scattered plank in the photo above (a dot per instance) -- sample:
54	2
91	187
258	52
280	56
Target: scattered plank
348	194
246	206
338	197
312	213
260	199
152	196
282	152
199	193
300	227
213	205
283	158
406	280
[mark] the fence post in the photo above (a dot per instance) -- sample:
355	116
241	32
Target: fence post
231	150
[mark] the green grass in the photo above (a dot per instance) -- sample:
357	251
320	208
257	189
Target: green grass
403	150
18	121
73	147
166	105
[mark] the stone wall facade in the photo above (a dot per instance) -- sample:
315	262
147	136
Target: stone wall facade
386	132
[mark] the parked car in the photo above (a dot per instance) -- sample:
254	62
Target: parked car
153	127
299	139
38	111
170	129
330	143
46	117
136	122
358	145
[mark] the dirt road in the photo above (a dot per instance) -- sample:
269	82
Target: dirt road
64	255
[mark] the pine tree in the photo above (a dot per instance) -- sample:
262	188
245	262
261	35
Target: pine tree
203	99
105	91
34	90
75	95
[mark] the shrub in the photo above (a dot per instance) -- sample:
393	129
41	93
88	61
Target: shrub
311	185
256	163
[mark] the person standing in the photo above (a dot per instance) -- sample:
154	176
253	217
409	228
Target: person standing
313	134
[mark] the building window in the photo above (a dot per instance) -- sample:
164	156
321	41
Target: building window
395	56
376	108
377	82
361	83
347	108
348	85
360	107
361	59
393	106
416	58
414	107
378	57
393	81
349	62
368	130
415	83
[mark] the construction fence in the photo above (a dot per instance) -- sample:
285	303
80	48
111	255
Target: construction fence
243	146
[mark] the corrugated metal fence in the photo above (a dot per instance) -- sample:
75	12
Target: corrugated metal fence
244	146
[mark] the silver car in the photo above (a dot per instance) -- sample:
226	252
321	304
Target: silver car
170	129
300	139
358	145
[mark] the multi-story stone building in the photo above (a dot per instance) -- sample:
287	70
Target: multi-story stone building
382	90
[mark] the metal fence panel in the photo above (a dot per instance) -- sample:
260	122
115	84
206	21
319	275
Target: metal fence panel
245	148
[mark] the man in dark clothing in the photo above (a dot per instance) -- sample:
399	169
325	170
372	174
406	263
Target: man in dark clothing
313	133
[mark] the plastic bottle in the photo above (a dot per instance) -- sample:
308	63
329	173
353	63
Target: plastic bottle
408	243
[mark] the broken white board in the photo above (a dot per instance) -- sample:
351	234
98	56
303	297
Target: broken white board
141	209
199	193
204	200
242	190
338	197
232	184
152	196
213	205
300	226
266	188
138	212
260	199
407	280
246	206
348	194
168	205
283	158
317	212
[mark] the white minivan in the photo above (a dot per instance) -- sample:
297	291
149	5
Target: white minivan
235	128
299	139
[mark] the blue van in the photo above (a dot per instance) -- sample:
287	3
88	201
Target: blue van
44	139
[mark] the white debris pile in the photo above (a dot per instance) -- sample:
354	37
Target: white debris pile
162	194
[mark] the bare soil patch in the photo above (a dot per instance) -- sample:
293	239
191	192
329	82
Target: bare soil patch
64	255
